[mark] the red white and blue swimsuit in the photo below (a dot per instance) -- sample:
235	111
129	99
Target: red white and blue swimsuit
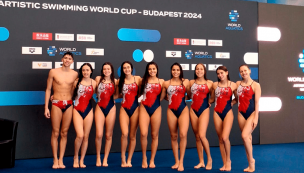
176	96
151	97
83	100
246	99
62	104
223	98
130	99
105	93
200	97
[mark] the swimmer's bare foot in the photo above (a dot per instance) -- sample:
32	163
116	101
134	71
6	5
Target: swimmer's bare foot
180	167
123	162
75	164
144	163
246	169
251	167
55	164
98	162
200	165
228	166
105	163
209	164
60	164
222	168
81	164
152	164
129	164
175	166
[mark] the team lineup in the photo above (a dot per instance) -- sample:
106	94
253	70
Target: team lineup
67	86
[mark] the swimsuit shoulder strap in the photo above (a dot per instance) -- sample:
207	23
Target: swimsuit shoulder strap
134	80
251	82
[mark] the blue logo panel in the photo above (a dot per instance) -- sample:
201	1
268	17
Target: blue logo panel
233	15
4	34
138	35
20	98
138	55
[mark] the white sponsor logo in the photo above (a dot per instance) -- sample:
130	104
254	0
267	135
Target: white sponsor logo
64	37
85	37
193	66
173	54
79	64
95	51
215	42
59	64
185	66
213	67
223	55
41	65
32	50
198	42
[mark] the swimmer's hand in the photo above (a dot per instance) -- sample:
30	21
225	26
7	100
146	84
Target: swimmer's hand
254	123
47	113
52	98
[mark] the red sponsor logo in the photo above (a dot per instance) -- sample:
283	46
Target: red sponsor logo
181	41
42	36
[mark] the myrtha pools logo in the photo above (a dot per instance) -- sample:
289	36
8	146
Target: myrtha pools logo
301	61
234	16
51	50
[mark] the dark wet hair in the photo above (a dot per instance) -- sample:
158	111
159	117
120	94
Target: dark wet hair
205	72
80	77
68	53
224	69
102	76
123	75
243	65
146	76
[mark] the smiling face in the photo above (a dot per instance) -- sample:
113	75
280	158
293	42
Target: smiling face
199	70
86	71
107	71
222	75
67	60
127	69
175	71
245	72
152	70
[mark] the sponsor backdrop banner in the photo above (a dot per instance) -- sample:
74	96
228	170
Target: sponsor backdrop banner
35	35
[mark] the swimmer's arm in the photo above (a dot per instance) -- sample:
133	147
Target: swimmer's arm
139	81
116	94
212	93
189	89
48	93
257	99
97	79
235	100
164	92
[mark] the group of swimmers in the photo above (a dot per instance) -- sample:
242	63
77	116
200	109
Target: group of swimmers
67	84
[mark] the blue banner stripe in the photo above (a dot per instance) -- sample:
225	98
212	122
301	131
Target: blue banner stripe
19	98
138	35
